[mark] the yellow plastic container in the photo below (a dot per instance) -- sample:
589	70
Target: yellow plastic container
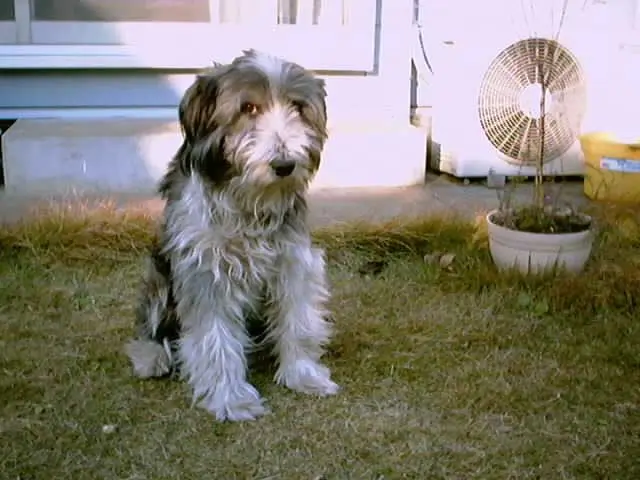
612	168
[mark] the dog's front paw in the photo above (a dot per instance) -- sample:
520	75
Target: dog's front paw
307	376
240	403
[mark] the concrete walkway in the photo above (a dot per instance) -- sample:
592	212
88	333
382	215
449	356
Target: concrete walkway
440	194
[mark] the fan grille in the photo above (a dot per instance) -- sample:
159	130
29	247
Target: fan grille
513	127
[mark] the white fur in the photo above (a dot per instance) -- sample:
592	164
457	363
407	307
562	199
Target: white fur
279	129
242	262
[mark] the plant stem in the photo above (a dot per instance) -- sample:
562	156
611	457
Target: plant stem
539	187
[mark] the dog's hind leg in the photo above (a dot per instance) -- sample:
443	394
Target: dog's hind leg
151	353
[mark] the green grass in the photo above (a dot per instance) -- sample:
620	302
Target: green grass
456	372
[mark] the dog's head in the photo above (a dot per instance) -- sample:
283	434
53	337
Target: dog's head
259	121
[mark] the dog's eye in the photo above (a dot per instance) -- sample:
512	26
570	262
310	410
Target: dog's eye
298	106
250	109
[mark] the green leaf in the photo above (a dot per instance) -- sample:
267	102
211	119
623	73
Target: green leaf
541	307
524	299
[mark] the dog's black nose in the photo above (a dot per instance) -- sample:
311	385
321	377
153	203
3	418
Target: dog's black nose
283	168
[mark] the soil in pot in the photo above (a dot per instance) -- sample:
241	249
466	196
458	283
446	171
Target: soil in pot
535	220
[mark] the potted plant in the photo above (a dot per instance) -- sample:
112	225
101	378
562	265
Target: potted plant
535	239
540	234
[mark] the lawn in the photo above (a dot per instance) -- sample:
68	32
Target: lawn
449	370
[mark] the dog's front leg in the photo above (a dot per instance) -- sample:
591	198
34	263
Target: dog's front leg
298	324
212	347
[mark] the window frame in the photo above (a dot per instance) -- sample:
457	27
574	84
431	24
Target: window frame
345	48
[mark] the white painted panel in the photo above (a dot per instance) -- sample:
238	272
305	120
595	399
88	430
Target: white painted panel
316	47
305	11
8	33
122	93
331	12
322	43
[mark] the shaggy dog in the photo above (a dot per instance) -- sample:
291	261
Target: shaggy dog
234	242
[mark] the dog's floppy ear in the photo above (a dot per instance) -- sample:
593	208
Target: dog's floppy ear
202	148
322	101
198	105
316	111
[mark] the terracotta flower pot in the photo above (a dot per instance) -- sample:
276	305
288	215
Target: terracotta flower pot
538	252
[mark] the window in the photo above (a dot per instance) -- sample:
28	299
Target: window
121	10
321	34
7	12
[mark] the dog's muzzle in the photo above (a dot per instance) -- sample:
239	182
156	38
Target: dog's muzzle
283	167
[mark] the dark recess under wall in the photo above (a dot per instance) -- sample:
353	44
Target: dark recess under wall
4	126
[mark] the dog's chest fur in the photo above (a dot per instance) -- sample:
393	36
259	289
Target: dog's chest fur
208	231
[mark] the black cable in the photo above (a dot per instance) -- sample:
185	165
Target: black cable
423	49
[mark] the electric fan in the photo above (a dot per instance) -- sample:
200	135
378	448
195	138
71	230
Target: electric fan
509	102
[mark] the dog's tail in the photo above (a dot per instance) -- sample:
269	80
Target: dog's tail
152	353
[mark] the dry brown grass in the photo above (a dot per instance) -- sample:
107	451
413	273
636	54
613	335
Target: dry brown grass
453	372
